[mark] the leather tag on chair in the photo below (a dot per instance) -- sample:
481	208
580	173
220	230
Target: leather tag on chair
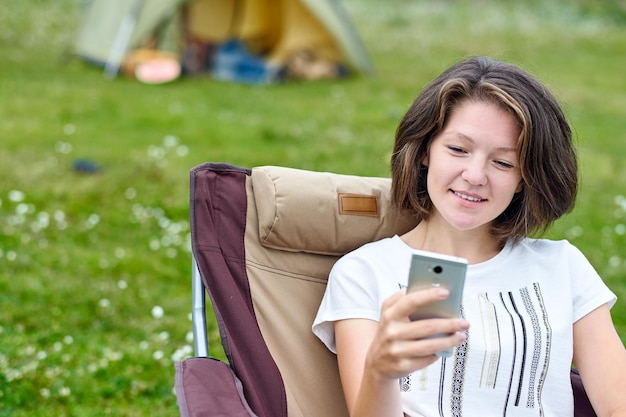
358	205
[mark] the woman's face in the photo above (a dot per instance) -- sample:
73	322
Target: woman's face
473	168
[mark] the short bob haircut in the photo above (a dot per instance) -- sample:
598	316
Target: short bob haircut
546	153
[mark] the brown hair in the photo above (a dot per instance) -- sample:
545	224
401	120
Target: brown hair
546	153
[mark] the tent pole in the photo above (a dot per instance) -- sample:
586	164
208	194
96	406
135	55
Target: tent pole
122	38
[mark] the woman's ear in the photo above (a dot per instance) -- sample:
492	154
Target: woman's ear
520	187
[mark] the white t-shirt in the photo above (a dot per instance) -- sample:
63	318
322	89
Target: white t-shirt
521	305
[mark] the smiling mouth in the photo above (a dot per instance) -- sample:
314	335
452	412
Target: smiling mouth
468	197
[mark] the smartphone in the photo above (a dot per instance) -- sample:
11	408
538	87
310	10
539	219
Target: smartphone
430	270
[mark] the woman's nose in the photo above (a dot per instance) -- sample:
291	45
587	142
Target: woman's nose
475	172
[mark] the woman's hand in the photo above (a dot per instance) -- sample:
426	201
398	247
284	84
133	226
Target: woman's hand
373	355
401	346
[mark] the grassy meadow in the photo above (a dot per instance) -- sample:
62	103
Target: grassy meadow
95	266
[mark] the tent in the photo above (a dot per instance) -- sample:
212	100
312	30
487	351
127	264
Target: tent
256	41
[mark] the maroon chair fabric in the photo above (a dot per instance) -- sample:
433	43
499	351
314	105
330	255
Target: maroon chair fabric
210	389
218	219
582	405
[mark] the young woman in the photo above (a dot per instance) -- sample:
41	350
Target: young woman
484	158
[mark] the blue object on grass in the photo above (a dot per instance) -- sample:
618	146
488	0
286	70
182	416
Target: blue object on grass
85	166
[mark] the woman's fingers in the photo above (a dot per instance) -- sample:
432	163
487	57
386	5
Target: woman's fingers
401	304
404	339
434	342
427	328
400	357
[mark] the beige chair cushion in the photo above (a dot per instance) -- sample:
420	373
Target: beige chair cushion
347	211
298	224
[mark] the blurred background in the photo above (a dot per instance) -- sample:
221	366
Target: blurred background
95	156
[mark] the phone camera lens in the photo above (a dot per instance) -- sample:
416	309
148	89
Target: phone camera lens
438	269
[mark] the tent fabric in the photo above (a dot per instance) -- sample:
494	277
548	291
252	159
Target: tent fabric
334	17
102	19
276	30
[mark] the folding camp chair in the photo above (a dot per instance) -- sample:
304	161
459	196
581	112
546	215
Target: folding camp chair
263	243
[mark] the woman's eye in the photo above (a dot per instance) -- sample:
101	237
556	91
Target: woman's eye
456	149
504	164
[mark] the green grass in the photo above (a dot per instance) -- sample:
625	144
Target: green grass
95	268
